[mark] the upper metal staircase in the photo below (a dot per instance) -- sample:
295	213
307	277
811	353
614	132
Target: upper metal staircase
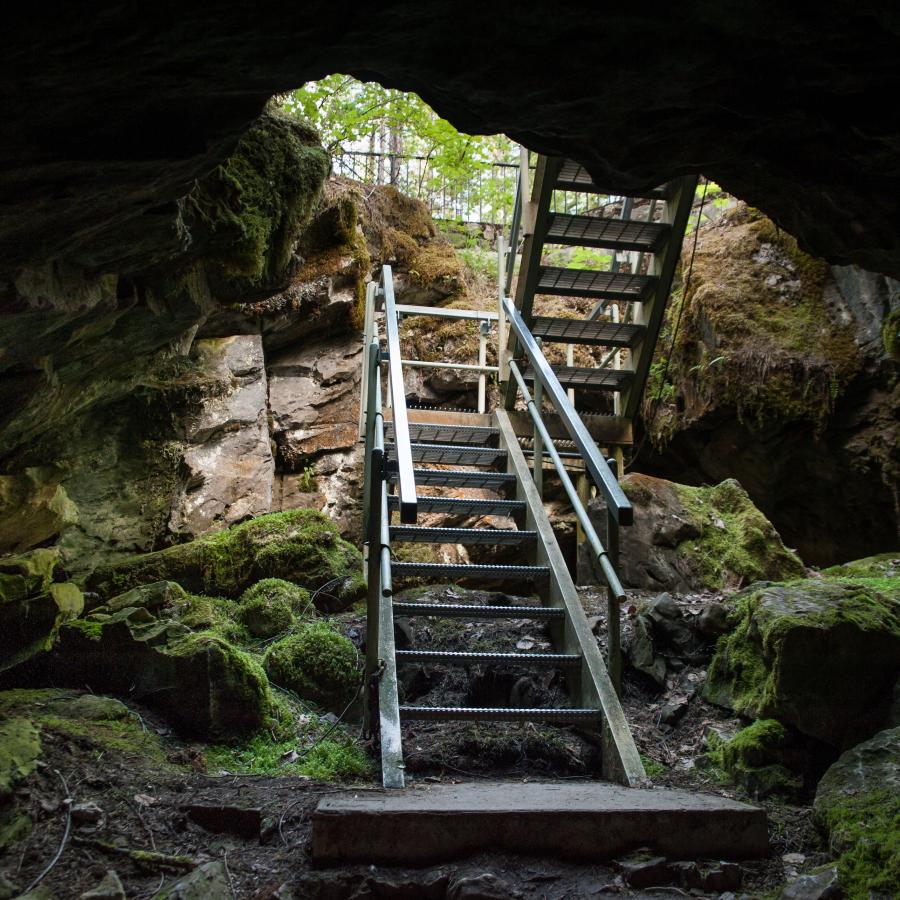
505	453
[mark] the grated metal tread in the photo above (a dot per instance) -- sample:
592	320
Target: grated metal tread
493	536
438	433
451	454
461	478
612	234
462	506
498	714
466	657
574	177
476	612
554	280
458	570
585	331
598	379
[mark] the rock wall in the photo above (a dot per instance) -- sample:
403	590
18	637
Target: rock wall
783	375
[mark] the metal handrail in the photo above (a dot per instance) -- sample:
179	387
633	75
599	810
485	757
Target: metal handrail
549	447
617	503
406	482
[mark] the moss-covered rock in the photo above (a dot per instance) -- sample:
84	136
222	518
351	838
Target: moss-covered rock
205	685
32	605
755	759
317	663
883	566
34	508
299	545
256	203
857	807
686	538
820	655
20	746
269	607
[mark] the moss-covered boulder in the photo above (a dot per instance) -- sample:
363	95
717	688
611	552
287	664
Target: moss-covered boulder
270	606
820	655
685	538
32	605
207	687
857	808
316	663
756	757
300	545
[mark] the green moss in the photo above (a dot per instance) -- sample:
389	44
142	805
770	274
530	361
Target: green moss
91	628
780	658
885	565
738	544
317	663
100	723
754	759
328	759
757	332
865	830
299	545
652	767
20	747
258	201
890	333
269	607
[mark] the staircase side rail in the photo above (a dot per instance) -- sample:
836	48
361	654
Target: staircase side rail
390	739
619	506
406	482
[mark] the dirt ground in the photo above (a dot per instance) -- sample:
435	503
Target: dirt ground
142	818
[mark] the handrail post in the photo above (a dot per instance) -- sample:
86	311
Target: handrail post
613	618
368	336
538	443
504	275
371	410
483	328
406	483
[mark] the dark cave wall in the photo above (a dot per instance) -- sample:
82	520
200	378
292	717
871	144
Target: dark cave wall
112	110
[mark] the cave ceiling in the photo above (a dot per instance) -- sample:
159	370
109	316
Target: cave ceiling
111	110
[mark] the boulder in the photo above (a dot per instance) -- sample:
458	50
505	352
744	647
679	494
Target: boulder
32	605
756	758
34	508
822	655
227	468
205	686
299	545
687	538
857	807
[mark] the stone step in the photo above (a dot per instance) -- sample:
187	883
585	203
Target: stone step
586	821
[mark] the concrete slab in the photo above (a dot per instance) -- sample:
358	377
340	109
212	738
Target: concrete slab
583	821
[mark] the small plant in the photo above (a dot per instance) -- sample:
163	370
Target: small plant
308	479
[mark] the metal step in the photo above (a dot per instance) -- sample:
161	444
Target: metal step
476	612
457	570
490	481
493	536
450	454
468	658
597	379
440	433
558	281
574	177
499	714
611	234
585	331
461	506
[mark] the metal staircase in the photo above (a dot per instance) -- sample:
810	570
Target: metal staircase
505	453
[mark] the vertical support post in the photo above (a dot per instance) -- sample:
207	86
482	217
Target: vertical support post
370	411
538	461
368	337
613	623
570	361
484	326
617	362
373	525
502	328
581	484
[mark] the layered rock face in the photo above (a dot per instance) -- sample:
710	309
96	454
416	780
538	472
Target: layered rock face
111	117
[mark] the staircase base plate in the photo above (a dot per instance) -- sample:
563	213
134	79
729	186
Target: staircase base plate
583	821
